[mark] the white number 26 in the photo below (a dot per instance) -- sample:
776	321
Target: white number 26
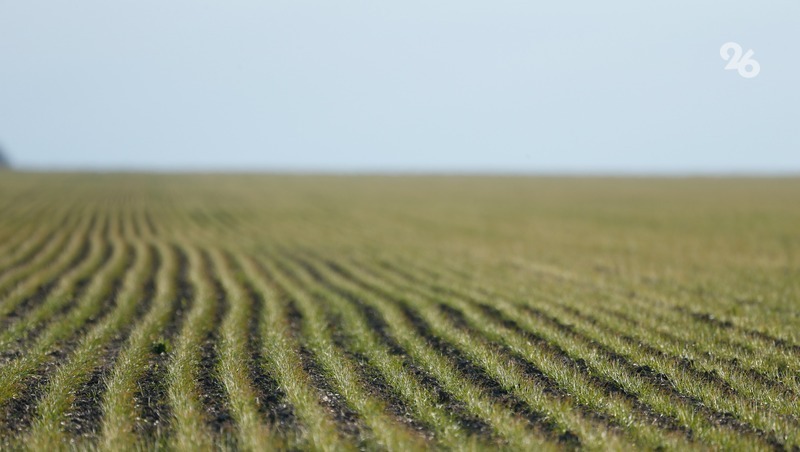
745	65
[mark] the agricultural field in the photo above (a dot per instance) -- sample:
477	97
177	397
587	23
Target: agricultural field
252	312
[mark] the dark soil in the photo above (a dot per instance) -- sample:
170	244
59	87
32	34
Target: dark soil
271	398
152	398
474	372
212	391
86	414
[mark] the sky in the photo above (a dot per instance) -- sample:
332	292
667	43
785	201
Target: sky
472	86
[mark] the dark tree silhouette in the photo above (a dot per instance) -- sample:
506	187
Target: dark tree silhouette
4	163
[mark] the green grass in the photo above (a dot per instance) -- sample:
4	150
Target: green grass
253	312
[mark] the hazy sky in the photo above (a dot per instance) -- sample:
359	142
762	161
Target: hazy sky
399	85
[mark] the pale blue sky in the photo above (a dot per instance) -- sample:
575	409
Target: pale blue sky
461	85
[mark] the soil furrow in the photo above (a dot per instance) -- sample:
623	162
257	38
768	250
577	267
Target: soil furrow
152	399
711	319
32	253
22	409
347	421
213	393
658	380
374	381
752	373
43	291
271	399
473	372
377	323
150	224
86	414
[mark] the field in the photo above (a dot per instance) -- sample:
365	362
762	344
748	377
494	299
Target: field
194	312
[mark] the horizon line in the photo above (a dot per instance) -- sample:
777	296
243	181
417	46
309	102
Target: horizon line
665	174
